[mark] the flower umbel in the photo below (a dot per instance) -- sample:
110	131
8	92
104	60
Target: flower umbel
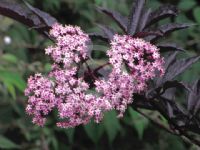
63	89
134	62
139	57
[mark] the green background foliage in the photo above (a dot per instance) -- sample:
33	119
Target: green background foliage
25	56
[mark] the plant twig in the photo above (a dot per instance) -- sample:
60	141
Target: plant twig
185	136
160	125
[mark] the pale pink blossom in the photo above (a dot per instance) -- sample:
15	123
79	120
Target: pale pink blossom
71	44
41	98
142	59
133	61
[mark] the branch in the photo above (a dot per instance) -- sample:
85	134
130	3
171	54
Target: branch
185	136
160	125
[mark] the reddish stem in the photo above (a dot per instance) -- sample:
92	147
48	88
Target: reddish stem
102	66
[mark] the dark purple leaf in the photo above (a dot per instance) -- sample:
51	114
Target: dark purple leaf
168	28
194	97
144	34
144	19
181	65
24	15
121	20
173	84
170	111
165	47
134	16
107	31
170	59
170	95
45	17
197	106
173	109
176	67
162	13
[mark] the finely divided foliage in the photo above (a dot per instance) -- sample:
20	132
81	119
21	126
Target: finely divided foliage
139	76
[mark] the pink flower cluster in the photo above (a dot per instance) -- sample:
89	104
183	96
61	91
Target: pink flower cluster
71	44
118	89
134	62
74	105
141	58
62	89
41	98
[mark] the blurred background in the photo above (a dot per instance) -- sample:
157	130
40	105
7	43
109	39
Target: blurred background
22	54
